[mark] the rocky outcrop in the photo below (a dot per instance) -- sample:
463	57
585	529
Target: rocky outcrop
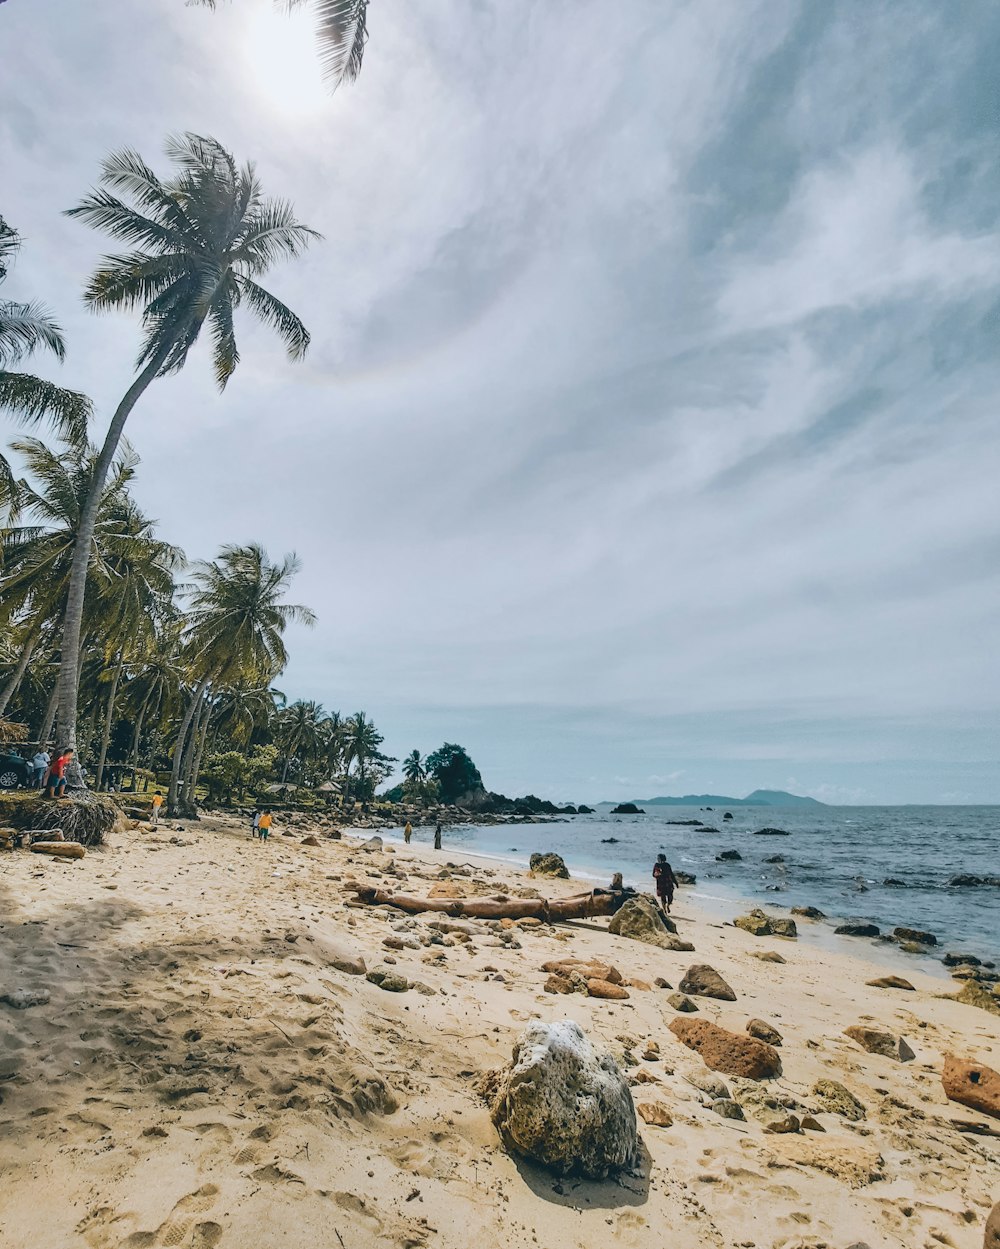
548	865
809	912
705	981
972	1084
771	832
916	935
564	1103
762	925
729	856
834	1098
728	1052
642	920
968	881
973	994
875	1041
627	808
857	930
764	1032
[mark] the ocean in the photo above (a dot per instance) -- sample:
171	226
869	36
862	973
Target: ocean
840	859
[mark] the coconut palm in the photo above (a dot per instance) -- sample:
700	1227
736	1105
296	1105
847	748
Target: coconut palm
299	731
413	768
200	240
236	621
341	27
25	329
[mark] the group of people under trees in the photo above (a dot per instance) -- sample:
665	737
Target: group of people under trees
48	772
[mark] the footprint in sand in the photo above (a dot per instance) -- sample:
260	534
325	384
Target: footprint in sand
181	1229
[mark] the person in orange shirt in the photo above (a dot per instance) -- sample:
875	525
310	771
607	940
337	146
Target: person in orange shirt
264	827
154	814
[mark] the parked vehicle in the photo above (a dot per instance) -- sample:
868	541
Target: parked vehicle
14	771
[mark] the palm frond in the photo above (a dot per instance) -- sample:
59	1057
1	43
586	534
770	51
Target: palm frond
34	399
275	314
24	328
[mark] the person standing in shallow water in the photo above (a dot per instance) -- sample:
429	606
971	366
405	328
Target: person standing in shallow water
437	836
666	882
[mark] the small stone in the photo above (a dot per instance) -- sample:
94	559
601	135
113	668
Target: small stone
726	1108
655	1114
811	1124
711	1085
652	1052
390	981
764	1032
790	1123
705	981
604	989
952	959
680	1001
877	1042
662	984
22	999
891	982
768	956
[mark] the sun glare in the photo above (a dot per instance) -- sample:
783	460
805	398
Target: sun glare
283	61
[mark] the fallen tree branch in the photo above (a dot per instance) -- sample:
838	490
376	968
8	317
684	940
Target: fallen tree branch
548	910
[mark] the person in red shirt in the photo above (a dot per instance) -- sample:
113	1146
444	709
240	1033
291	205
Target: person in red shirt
55	785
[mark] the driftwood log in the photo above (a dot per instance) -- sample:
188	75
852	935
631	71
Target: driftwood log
549	910
61	849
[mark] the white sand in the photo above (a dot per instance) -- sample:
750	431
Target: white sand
203	1076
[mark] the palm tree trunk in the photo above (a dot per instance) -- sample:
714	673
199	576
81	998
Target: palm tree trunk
182	733
17	676
45	734
133	756
108	721
69	681
191	750
196	770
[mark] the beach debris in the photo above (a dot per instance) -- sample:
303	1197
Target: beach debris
564	1103
875	1041
857	930
23	999
727	1108
728	1052
992	1238
681	1002
809	912
790	1123
763	1031
59	849
729	856
640	919
549	910
771	832
704	981
655	1114
973	994
891	982
548	865
833	1097
917	935
389	980
768	956
972	1084
604	989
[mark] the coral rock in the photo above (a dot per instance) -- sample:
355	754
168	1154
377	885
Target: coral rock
728	1051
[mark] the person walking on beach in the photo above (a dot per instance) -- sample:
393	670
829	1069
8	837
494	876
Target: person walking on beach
40	765
437	836
264	825
255	825
55	784
666	882
154	811
407	832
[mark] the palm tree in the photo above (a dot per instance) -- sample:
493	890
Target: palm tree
300	729
25	329
342	30
236	619
413	768
201	239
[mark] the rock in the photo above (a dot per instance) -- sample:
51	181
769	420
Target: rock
728	1052
784	927
728	815
809	912
959	960
627	808
652	1052
775	858
877	1042
662	984
372	844
812	1124
705	981
559	984
728	1109
729	856
914	934
973	882
756	923
833	1097
609	841
391	981
565	1103
911	947
22	999
972	1084
973	994
681	1002
711	1085
685	878
548	865
764	1032
604	989
790	1123
310	840
768	956
992	1240
655	1114
589	969
770	832
857	930
891	982
642	920
893	882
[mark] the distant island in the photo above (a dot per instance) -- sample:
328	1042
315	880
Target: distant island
759	798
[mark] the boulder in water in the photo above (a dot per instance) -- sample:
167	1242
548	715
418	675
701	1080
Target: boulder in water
857	930
917	935
771	832
627	808
564	1103
729	856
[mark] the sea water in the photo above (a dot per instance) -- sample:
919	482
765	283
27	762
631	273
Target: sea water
886	865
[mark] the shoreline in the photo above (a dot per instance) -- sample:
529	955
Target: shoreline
206	1072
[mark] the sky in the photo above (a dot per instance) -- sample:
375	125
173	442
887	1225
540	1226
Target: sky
648	439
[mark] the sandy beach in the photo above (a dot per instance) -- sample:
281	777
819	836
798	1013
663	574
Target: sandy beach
208	1071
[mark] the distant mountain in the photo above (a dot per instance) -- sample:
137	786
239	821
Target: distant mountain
759	798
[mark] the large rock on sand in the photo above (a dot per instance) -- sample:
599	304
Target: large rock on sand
992	1238
972	1084
875	1041
564	1103
728	1052
642	920
705	981
548	865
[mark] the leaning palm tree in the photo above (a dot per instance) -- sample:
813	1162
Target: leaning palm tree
25	329
201	238
342	29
